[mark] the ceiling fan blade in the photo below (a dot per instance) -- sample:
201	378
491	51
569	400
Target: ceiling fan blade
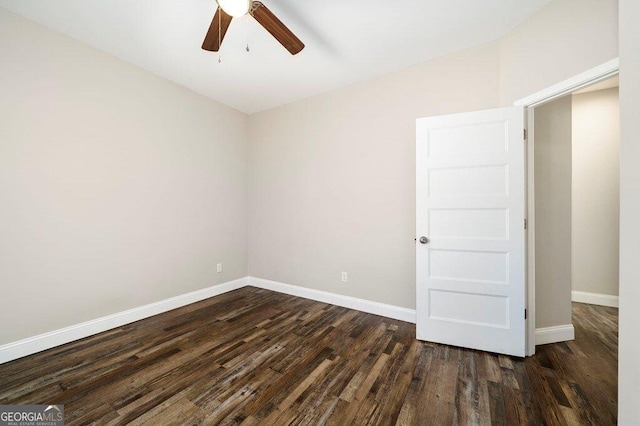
217	30
277	29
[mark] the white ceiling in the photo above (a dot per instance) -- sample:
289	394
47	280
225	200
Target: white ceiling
346	40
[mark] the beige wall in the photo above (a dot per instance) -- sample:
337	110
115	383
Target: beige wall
629	368
596	192
117	188
552	159
332	178
563	39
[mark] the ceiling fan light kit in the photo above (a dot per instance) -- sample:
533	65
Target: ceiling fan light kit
235	8
228	9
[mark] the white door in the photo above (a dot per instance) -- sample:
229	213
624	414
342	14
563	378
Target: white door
470	209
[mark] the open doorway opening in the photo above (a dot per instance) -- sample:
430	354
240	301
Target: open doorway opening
577	198
595	213
532	103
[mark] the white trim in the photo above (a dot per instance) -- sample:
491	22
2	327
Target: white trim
32	345
556	334
377	308
530	235
570	85
595	299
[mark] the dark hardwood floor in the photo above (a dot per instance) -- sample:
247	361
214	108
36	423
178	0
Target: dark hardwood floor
257	357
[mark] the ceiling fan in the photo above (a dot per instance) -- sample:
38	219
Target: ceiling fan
229	9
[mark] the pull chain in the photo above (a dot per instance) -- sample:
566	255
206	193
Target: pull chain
247	28
219	34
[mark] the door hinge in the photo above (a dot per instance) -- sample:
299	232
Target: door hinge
525	314
525	134
525	223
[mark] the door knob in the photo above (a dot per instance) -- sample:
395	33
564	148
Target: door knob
424	240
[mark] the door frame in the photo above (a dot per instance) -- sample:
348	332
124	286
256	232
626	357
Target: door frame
566	87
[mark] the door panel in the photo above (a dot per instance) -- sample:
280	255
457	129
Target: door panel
478	266
460	223
468	181
470	204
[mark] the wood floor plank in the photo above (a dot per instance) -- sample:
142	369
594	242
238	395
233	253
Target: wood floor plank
253	357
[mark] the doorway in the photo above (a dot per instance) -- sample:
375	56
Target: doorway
573	200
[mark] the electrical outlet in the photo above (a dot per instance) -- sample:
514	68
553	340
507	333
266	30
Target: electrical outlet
219	267
344	277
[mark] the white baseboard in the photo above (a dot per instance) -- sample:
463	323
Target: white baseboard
595	299
32	345
382	309
59	337
41	342
559	333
